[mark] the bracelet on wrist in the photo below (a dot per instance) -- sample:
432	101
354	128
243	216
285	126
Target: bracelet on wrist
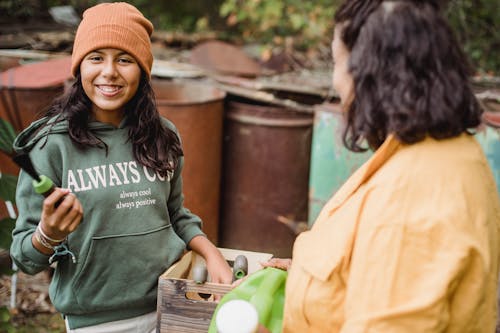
43	241
39	227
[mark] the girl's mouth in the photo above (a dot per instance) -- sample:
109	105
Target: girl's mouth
109	90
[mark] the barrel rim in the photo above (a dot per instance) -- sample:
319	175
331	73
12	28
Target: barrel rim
217	95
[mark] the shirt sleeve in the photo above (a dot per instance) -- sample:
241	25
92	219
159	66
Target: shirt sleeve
403	278
186	224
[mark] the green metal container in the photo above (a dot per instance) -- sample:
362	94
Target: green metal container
331	162
489	138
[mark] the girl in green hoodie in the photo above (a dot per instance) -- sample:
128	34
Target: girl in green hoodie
116	220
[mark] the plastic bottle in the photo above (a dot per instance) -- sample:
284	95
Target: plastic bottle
237	316
265	290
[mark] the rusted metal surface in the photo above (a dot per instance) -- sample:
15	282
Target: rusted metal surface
275	86
26	90
38	75
221	57
173	69
265	175
492	119
197	112
268	98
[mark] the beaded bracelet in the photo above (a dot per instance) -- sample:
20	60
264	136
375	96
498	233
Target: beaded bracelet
42	240
47	237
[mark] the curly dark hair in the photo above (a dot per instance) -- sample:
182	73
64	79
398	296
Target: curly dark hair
411	78
154	145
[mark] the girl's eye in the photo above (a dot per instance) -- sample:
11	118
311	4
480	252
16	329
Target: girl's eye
95	58
125	60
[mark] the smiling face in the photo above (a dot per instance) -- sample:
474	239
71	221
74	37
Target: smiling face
110	78
342	78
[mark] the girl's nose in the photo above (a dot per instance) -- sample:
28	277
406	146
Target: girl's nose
109	68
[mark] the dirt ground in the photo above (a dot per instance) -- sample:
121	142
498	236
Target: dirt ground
34	312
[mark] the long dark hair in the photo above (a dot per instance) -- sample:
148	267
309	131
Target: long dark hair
410	76
154	145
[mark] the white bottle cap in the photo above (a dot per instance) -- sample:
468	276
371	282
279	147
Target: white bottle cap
237	316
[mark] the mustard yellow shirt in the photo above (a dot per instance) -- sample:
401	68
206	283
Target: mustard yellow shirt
410	243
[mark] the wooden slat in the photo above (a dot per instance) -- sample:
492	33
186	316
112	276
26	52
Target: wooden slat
179	314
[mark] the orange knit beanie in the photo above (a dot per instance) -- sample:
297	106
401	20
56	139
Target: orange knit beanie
116	25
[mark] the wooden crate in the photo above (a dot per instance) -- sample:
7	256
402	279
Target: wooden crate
180	307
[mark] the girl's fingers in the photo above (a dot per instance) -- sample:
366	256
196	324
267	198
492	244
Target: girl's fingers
73	215
65	219
74	223
49	202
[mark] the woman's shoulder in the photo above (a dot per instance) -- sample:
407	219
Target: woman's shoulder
436	176
432	157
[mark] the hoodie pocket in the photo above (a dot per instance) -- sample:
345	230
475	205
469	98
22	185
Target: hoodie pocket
121	271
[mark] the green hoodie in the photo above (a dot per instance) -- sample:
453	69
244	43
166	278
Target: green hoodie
134	223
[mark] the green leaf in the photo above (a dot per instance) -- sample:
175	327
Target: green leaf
7	136
226	8
6	227
8	184
297	21
5	321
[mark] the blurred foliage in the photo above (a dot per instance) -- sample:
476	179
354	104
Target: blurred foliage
476	22
477	26
8	184
186	16
309	22
16	8
5	325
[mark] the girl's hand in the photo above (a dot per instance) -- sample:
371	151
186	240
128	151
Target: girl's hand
218	269
280	263
217	266
58	222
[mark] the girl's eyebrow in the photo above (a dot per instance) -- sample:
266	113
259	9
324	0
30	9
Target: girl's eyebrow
119	54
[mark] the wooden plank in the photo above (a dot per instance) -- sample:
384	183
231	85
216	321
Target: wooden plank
180	314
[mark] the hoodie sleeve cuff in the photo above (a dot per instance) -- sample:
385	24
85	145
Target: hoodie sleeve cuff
32	255
191	233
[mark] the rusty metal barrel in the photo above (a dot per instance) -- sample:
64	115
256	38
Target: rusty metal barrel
197	112
25	91
265	175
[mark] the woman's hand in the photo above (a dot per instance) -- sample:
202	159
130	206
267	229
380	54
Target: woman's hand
280	263
58	222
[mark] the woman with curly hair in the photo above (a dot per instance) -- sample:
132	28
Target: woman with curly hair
411	241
